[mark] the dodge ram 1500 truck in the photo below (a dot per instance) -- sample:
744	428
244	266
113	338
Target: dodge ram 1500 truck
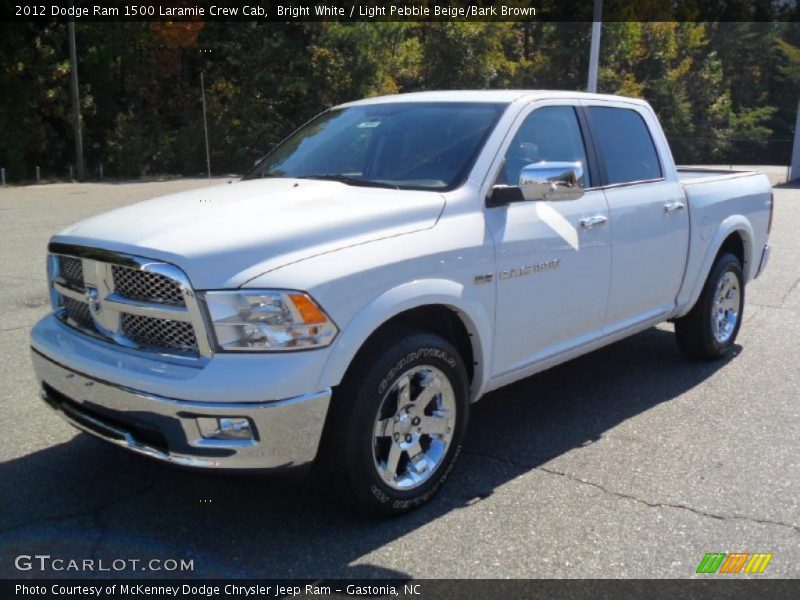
388	264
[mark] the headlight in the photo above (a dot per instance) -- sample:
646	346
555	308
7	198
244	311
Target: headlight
268	320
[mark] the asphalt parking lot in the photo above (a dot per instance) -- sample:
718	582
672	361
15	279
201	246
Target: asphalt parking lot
632	461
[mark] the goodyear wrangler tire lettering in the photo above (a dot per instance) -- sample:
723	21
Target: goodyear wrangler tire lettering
424	352
397	422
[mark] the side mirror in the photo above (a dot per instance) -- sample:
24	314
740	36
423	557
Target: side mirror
551	181
541	181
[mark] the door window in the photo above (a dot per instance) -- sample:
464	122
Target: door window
550	134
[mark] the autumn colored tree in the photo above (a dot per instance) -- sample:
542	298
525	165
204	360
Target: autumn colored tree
725	92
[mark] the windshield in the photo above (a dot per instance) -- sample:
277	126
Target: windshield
429	146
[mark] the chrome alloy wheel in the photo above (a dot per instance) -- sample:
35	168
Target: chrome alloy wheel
726	307
414	427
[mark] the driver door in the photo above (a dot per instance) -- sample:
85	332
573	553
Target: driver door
553	258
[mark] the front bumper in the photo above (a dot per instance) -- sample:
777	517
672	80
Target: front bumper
285	433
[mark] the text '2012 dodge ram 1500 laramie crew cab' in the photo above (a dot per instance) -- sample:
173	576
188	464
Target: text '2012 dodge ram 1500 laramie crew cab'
389	263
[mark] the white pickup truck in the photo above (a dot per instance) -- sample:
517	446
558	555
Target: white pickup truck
389	263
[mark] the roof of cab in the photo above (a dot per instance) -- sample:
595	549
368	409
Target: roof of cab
497	96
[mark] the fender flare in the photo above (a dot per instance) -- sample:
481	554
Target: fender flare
733	224
415	294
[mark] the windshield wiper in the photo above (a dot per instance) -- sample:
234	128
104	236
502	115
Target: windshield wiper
346	179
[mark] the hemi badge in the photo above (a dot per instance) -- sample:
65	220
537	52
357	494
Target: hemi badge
481	279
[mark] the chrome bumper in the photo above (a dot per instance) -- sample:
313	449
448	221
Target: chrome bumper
285	433
764	259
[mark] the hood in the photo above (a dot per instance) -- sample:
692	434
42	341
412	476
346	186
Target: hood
223	236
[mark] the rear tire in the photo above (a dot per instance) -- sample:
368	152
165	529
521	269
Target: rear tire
708	331
397	422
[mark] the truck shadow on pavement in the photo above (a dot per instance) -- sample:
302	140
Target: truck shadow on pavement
85	499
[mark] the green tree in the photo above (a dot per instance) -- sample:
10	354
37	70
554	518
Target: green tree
723	91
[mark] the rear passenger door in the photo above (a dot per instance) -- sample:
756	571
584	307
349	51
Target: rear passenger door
649	216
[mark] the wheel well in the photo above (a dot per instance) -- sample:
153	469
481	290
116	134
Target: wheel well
439	319
734	244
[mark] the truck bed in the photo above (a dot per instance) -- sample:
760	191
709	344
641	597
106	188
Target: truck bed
692	175
715	196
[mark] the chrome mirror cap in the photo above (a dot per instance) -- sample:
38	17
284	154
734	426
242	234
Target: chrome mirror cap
551	181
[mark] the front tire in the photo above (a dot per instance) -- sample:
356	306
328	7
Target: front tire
709	330
397	421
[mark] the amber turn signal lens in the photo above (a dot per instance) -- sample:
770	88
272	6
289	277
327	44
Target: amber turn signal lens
308	310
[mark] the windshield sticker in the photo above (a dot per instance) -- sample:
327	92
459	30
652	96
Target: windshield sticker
368	124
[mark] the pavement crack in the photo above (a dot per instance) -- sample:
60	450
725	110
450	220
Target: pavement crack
679	506
773	306
789	291
670	505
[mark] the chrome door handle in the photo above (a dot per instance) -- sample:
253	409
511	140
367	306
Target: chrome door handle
673	206
595	221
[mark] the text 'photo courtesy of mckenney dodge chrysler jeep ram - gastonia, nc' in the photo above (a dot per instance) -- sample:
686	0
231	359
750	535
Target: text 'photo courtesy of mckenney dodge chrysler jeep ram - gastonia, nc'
388	264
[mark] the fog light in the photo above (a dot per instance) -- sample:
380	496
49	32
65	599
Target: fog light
225	428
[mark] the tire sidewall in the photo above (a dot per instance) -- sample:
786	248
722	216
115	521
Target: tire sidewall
726	263
415	350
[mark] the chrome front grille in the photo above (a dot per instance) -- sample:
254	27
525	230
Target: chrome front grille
127	300
147	286
159	334
71	269
79	312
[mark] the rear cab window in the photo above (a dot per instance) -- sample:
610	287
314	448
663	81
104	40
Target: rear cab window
625	145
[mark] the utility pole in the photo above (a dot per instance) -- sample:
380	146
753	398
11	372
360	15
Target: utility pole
76	107
594	54
205	123
794	170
